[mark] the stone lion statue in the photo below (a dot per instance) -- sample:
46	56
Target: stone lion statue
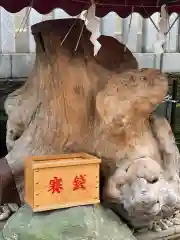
103	105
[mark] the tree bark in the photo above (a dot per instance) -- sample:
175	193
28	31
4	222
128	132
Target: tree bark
54	111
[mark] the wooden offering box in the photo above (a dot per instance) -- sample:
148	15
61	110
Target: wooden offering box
61	181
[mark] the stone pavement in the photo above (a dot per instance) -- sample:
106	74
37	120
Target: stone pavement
2	223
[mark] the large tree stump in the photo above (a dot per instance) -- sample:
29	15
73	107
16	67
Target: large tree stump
77	102
54	110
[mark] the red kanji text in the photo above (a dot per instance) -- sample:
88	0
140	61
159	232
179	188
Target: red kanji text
56	185
79	182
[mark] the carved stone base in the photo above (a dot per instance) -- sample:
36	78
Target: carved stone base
172	233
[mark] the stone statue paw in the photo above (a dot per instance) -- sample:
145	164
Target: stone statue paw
164	224
7	210
177	214
175	221
160	225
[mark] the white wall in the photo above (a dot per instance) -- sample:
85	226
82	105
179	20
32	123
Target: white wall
17	48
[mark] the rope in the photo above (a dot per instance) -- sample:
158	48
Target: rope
125	47
25	19
67	34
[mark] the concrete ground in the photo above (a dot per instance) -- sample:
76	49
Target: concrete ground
173	233
2	223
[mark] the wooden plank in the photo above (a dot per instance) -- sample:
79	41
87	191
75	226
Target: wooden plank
63	156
